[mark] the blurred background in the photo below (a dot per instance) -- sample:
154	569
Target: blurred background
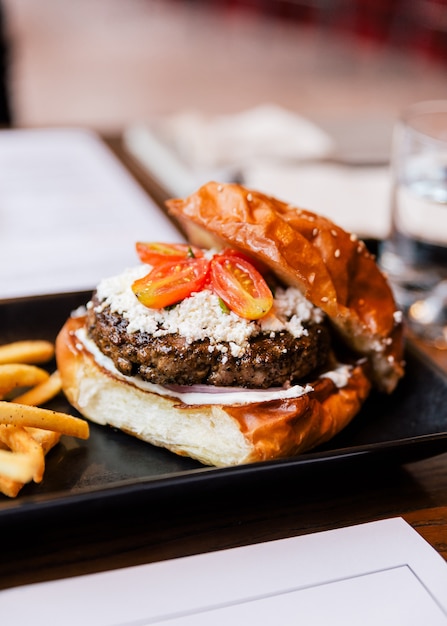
106	64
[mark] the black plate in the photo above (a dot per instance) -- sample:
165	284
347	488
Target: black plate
113	468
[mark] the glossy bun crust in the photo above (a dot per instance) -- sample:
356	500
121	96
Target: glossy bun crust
212	434
332	268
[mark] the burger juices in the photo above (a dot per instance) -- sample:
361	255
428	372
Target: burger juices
262	343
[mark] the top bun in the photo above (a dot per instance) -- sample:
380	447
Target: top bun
332	268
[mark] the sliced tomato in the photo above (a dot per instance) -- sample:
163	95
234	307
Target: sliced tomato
155	253
171	282
259	265
240	286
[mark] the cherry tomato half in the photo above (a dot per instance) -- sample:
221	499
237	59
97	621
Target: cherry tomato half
240	286
259	265
171	282
155	253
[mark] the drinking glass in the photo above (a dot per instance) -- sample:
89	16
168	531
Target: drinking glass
415	254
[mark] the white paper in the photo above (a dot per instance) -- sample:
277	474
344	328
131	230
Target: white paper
375	574
70	213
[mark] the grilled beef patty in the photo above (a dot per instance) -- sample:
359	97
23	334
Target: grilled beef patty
267	362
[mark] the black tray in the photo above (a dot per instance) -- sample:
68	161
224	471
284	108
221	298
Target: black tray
112	468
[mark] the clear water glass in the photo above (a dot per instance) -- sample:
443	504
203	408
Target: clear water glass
415	255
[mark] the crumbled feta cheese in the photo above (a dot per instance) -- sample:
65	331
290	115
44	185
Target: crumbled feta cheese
291	309
201	317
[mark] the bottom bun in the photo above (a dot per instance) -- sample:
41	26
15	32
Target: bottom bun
218	435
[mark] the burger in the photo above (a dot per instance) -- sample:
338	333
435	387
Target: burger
258	339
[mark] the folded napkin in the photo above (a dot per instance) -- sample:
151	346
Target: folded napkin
264	132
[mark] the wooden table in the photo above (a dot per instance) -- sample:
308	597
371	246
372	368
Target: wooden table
102	538
203	522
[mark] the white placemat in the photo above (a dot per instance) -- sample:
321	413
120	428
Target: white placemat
70	213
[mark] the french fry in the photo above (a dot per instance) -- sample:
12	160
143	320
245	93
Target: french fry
42	393
16	466
26	415
14	375
47	439
28	431
18	440
10	487
29	351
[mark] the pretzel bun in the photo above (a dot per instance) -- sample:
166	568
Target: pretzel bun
332	268
213	434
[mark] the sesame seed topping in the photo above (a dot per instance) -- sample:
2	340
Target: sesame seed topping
337	253
249	197
311	277
219	187
398	316
353	237
324	299
315	232
334	233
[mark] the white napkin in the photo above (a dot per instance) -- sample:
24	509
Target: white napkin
264	132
